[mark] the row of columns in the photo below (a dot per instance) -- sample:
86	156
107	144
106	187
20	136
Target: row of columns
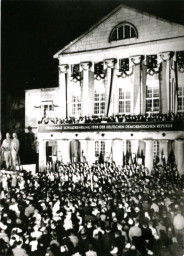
167	86
115	147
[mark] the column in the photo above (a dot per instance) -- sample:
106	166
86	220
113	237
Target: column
179	155
64	146
85	94
137	84
42	155
149	155
70	83
63	87
143	89
163	150
117	151
90	151
165	83
91	93
110	64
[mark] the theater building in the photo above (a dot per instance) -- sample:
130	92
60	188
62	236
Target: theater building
129	63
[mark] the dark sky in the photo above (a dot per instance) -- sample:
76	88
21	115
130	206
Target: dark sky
33	31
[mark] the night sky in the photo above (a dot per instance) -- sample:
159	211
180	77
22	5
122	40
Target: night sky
33	31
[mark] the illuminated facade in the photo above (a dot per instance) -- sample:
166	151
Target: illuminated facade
129	63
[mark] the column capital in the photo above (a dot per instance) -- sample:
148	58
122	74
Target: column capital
165	55
63	68
110	63
85	65
136	59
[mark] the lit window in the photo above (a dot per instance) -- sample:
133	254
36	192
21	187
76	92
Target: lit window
76	105
99	103
99	148
124	101
152	94
180	99
47	108
155	149
123	31
76	100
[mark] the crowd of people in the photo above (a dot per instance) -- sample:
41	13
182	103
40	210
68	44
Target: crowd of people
98	210
155	117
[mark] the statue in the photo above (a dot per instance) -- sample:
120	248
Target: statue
14	150
6	150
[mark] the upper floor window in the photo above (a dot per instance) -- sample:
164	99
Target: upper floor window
47	108
152	94
124	101
123	31
99	103
76	102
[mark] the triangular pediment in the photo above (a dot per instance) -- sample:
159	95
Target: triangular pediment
149	28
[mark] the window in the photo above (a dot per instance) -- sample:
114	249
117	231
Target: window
123	31
99	148
180	99
152	94
124	101
76	100
48	108
155	149
76	105
99	103
126	147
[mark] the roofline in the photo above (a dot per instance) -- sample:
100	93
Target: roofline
121	46
105	18
88	31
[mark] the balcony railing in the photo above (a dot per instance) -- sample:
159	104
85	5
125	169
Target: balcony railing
177	125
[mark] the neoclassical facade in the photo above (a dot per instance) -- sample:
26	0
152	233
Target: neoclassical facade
130	63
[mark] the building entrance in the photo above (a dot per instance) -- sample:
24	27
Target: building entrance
75	151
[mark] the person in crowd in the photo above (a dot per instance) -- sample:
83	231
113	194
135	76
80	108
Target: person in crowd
114	119
14	151
6	150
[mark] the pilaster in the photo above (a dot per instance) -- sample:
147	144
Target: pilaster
85	94
63	89
149	155
137	84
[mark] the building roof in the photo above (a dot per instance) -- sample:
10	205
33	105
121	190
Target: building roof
145	23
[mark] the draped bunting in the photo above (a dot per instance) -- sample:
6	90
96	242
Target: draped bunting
99	71
76	74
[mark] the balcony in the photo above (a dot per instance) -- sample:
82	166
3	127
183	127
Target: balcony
114	126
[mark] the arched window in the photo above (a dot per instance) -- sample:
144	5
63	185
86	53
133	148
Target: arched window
123	31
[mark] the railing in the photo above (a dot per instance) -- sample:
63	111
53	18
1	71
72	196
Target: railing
131	126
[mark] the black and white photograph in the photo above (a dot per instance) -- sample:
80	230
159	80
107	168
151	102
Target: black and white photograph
92	128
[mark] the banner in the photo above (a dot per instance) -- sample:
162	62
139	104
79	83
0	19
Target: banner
151	126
